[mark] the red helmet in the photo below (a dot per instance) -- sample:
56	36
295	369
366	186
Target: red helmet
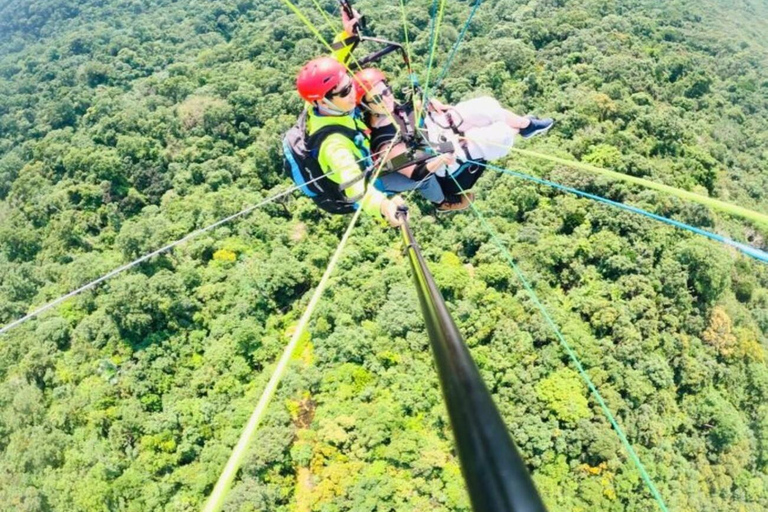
365	80
318	77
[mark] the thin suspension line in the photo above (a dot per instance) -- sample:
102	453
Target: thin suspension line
216	500
148	256
330	23
433	43
156	252
412	78
572	354
758	218
448	63
409	194
746	249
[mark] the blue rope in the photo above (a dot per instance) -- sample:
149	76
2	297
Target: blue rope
448	63
746	249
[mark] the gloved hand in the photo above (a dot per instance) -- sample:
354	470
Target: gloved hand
351	24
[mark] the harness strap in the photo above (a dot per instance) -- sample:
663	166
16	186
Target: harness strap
455	129
407	126
338	45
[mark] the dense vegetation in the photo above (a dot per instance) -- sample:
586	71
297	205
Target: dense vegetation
127	124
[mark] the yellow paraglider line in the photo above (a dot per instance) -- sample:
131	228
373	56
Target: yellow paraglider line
407	48
739	211
224	482
435	36
760	219
216	500
325	16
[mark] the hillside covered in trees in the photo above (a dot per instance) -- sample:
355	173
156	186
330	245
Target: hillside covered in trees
125	125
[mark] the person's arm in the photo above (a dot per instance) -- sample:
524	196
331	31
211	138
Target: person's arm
398	155
438	105
420	171
337	154
345	41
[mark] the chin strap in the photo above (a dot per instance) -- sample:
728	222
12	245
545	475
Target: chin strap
326	107
364	106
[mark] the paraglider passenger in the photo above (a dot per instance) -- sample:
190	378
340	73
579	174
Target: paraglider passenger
479	129
383	113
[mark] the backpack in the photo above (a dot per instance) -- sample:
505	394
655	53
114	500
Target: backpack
300	153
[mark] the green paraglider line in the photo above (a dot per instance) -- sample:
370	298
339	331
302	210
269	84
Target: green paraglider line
456	45
758	218
572	354
435	35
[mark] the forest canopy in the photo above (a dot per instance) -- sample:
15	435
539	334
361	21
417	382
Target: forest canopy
125	125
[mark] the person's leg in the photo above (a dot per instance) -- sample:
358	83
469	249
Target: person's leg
515	121
429	188
478	112
462	180
491	142
485	111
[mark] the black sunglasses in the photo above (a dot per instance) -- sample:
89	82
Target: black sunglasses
344	91
378	98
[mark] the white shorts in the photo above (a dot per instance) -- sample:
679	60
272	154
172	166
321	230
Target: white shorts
486	132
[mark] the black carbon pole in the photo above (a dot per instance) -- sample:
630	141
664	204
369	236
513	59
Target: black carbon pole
496	476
